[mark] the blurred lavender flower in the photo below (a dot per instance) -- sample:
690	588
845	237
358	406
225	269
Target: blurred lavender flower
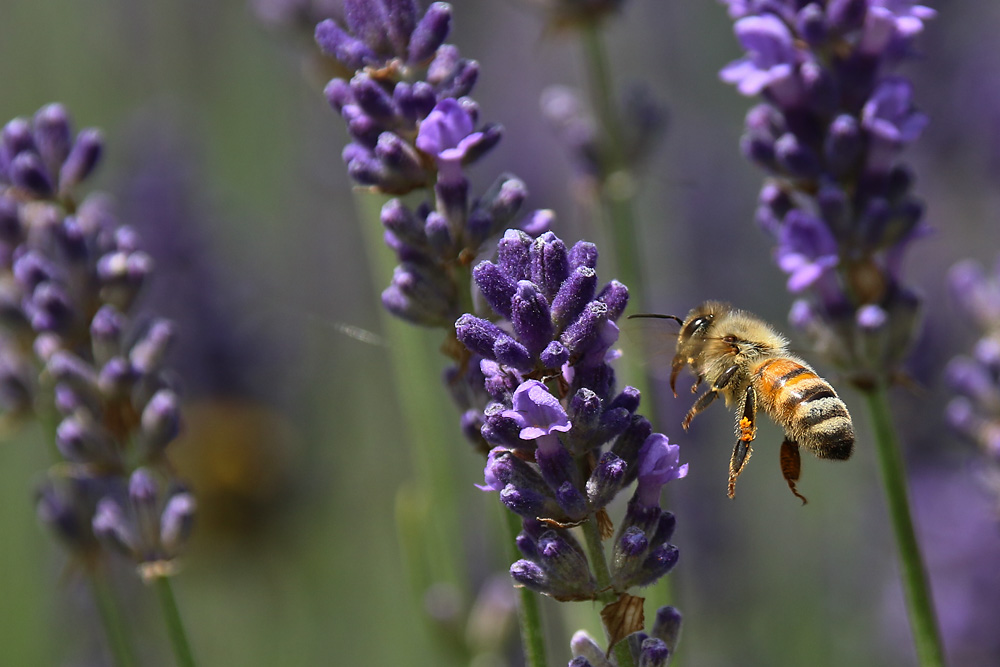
975	411
830	129
644	124
71	274
569	13
238	448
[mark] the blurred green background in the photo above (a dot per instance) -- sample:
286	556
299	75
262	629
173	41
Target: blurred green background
297	450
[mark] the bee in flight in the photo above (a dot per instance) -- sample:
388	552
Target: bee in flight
741	357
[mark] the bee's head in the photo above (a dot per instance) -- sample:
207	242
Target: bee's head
699	322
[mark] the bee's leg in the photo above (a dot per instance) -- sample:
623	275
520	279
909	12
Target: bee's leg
703	402
746	431
791	465
706	399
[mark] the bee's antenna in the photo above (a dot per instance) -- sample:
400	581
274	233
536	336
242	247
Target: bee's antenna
657	316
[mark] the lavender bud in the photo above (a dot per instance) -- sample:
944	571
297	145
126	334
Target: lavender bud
333	41
667	625
583	253
585	648
501	430
81	440
49	308
554	355
549	265
149	351
17	137
585	332
514	255
402	19
508	351
615	297
419	293
607	480
414	101
430	32
846	15
106	332
403	165
70	370
117	378
110	526
496	286
628	444
177	521
565	566
796	158
368	20
52	135
372	98
844	145
438	233
28	173
502	202
530	575
339	94
573	296
160	422
82	159
478	335
654	653
398	219
810	24
531	318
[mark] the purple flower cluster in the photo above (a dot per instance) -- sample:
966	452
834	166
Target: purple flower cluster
554	408
413	126
833	121
70	276
653	650
975	412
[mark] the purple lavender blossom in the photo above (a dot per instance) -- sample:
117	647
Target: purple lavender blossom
830	131
147	522
556	324
975	377
72	276
659	463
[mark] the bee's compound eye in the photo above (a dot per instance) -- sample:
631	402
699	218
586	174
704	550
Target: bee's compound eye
729	339
700	324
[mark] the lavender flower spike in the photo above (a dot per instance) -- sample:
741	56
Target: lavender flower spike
834	119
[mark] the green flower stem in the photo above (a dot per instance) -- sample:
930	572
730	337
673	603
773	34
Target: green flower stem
415	353
111	620
617	189
529	616
175	626
599	566
918	594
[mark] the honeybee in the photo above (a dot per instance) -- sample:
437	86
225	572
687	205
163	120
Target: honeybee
744	359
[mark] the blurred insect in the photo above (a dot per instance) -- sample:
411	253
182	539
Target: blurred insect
744	359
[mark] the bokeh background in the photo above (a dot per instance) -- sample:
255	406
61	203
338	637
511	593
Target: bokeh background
222	151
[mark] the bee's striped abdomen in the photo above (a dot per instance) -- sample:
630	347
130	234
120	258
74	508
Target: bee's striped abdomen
806	406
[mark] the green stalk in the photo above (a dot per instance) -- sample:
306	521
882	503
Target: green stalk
618	187
599	566
414	354
111	620
529	616
175	626
919	603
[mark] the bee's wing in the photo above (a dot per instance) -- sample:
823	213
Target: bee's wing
656	338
